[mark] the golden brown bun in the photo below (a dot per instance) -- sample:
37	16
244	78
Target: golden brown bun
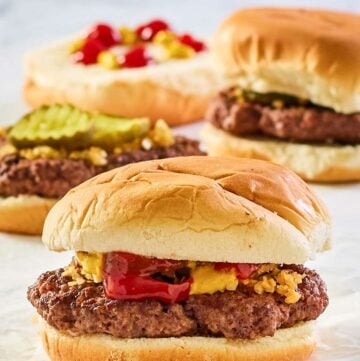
292	344
316	163
197	208
24	214
312	54
177	91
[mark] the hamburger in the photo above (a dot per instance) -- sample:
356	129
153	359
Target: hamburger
196	258
147	70
54	148
295	94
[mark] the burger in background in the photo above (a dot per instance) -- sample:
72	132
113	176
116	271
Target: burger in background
148	70
55	148
295	98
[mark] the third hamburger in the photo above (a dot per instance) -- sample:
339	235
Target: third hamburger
296	93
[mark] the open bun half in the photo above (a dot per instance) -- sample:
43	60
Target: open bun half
313	162
197	208
24	214
312	54
291	344
177	91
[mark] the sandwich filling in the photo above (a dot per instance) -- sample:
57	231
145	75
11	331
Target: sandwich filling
281	116
132	296
148	44
55	148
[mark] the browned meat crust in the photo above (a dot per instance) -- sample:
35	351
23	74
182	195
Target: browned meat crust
240	314
52	178
295	123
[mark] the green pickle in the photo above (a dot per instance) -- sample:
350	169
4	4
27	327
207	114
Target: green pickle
270	98
56	126
113	131
63	126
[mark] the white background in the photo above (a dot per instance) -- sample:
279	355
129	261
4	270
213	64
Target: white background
25	24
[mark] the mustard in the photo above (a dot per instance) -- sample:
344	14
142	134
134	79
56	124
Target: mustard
91	265
208	280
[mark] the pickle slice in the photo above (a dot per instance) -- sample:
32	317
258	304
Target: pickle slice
56	126
270	98
63	126
111	131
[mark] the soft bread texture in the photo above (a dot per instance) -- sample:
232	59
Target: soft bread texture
316	163
197	208
291	344
24	214
312	54
177	91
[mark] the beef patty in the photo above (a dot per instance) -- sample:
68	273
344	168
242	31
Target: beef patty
52	178
295	123
3	140
85	309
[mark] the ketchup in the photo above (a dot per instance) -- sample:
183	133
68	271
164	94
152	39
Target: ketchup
135	58
127	277
147	32
243	270
105	34
103	37
188	40
89	52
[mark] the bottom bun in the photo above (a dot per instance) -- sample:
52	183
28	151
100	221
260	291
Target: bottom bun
293	344
24	214
313	162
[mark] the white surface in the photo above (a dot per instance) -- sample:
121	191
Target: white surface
24	258
24	24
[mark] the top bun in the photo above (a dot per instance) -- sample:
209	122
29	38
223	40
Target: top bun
193	208
312	54
177	90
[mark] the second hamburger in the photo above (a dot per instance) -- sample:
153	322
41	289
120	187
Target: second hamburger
55	148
